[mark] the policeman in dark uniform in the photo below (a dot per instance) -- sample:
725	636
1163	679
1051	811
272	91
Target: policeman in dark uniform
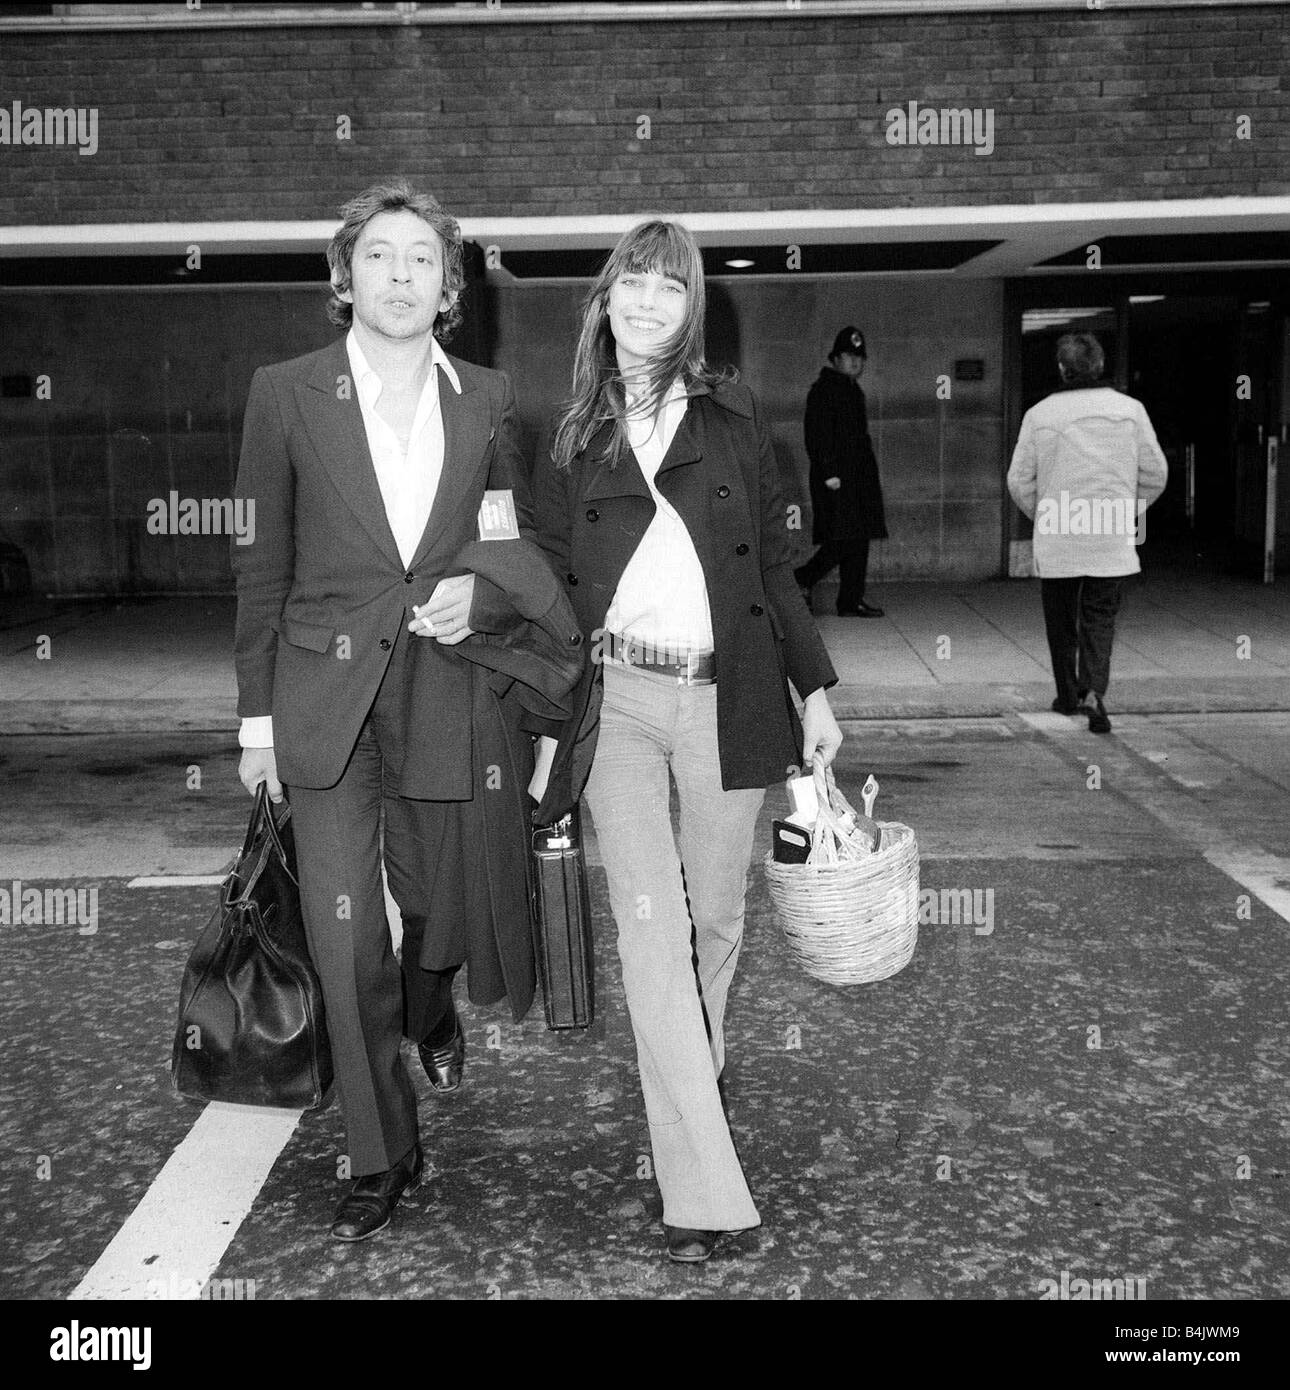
846	492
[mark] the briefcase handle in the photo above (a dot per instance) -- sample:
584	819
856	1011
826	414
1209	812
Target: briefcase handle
565	833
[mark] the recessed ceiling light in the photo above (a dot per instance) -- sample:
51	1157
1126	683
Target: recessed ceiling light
1145	298
740	265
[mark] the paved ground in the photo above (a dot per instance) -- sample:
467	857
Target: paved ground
1184	642
1089	1079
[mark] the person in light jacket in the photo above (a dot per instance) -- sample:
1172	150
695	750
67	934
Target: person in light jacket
659	505
1086	468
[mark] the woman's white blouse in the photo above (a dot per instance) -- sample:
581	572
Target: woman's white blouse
662	597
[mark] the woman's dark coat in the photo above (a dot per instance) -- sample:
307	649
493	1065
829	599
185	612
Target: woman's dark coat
721	475
838	445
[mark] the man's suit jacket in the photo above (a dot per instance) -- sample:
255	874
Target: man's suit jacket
322	592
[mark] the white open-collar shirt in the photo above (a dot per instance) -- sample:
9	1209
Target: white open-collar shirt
408	478
662	597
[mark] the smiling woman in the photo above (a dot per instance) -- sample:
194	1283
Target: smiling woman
651	305
660	508
645	310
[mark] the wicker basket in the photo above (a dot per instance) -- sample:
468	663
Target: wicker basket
850	915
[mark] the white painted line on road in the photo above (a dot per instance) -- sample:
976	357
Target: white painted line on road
178	881
1266	876
175	1238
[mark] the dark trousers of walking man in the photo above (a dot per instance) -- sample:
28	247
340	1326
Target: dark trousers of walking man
1079	615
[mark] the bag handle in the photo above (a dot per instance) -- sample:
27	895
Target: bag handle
262	815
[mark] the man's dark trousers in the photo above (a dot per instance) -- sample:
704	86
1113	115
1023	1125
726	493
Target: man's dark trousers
1079	615
851	557
343	903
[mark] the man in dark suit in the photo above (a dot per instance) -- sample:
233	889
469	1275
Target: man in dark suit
846	492
368	462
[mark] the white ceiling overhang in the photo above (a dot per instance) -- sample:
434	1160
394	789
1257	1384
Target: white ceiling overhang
1027	234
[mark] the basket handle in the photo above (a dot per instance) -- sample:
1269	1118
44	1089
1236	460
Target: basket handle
829	840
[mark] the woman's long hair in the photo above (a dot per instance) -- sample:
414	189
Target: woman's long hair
599	397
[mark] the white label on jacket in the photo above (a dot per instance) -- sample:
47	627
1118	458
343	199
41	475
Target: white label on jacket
497	516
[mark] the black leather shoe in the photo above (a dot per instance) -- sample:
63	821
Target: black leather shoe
445	1064
688	1247
861	610
1098	721
1061	706
371	1201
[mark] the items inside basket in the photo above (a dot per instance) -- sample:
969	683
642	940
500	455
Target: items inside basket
823	827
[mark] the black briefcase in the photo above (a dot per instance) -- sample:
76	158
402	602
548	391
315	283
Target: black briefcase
562	921
252	1028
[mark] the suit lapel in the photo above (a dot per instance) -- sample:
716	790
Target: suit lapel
334	419
467	432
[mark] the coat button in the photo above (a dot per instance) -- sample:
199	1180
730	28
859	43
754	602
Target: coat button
756	610
723	491
573	580
593	515
386	644
741	549
409	577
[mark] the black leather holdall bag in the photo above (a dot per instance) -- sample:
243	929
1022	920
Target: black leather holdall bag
251	1022
562	922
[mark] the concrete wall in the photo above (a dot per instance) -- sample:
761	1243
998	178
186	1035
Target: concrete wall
147	388
146	392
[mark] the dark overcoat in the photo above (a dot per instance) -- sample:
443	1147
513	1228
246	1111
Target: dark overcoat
523	672
838	446
721	475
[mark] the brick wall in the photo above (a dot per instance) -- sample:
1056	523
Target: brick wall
543	119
